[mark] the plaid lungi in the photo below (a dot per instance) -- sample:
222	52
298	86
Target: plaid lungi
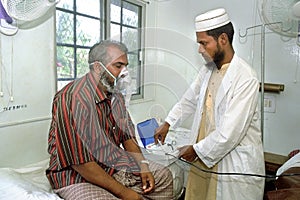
87	191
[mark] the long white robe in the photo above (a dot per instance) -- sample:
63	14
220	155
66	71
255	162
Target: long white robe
235	145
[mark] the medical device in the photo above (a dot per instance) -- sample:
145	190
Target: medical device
146	130
166	153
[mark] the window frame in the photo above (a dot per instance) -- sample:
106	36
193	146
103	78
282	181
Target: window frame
141	53
105	21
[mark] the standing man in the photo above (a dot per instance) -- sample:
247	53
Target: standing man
225	135
89	125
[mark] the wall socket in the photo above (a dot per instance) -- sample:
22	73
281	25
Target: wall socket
269	103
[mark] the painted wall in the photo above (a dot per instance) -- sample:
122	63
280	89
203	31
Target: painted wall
281	128
172	61
28	85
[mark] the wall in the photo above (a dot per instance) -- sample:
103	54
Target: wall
281	130
28	85
170	53
172	62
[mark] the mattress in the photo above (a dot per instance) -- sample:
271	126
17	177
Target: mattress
26	183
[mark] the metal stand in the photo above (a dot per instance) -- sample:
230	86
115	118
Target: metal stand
262	70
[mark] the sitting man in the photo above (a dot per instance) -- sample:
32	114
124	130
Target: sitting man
89	124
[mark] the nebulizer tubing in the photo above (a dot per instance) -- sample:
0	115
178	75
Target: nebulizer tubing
232	173
222	173
11	72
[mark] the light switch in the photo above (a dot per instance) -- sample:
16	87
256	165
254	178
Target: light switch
269	103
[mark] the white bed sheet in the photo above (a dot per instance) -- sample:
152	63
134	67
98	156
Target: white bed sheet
26	183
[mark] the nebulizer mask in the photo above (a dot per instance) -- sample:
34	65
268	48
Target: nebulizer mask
122	83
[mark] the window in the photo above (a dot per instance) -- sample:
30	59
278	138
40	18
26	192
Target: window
82	23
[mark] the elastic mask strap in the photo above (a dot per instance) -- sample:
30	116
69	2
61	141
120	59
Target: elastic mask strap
115	79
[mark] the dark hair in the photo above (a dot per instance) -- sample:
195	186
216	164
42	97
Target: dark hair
228	29
99	51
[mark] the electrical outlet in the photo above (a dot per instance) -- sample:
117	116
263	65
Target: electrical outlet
269	104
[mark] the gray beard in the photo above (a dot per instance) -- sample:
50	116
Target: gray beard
104	79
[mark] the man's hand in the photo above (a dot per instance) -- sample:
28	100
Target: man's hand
147	178
148	182
129	194
93	173
161	133
187	153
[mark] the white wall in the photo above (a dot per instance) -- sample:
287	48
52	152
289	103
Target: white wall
172	62
27	68
281	130
170	52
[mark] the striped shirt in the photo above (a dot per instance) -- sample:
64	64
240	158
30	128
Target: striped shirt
86	126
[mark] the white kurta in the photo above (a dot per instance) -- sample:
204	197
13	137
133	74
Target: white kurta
235	145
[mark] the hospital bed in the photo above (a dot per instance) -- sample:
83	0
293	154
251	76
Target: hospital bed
29	182
286	187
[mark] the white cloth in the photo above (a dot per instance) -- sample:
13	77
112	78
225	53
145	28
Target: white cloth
292	162
236	143
26	183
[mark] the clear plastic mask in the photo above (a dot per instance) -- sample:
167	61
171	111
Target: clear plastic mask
122	83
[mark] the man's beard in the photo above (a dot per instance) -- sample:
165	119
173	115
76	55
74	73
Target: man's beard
217	59
105	81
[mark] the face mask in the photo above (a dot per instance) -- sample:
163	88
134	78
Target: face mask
115	79
124	85
123	79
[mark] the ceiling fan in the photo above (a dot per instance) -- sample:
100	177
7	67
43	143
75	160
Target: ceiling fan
281	16
15	13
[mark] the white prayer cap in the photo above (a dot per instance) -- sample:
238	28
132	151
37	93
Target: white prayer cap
211	20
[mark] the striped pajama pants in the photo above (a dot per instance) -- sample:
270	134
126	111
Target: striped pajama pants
86	191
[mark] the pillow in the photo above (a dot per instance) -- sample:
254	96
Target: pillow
27	183
292	162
